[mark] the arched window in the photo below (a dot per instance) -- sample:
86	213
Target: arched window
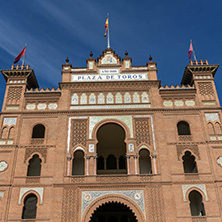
183	128
4	133
189	163
34	168
100	163
29	208
196	204
145	162
11	133
78	163
211	128
111	163
38	131
111	149
122	162
217	128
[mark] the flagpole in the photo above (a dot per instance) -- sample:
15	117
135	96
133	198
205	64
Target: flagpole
108	40
23	60
195	58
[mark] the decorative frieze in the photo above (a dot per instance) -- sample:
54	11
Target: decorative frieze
136	196
41	106
9	121
212	116
178	103
109	98
93	120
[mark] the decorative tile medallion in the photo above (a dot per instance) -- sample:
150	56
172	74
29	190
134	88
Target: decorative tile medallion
212	116
41	106
9	121
30	106
52	106
219	160
179	103
190	103
131	147
135	195
91	148
1	194
168	103
3	166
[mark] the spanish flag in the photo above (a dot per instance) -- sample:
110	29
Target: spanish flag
106	26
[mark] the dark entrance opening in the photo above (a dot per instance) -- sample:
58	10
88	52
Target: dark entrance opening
113	212
111	149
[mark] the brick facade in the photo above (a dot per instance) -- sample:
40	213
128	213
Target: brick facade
111	91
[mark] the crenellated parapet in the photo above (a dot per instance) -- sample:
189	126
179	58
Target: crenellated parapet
201	76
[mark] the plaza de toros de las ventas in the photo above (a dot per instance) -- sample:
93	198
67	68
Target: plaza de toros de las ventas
111	144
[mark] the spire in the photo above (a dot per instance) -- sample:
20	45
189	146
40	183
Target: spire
108	40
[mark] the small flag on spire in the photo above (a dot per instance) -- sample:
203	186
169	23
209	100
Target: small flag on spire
190	50
106	26
19	56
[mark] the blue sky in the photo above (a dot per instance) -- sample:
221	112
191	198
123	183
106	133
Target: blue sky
58	29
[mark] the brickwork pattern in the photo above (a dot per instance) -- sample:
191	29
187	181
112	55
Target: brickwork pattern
70	204
193	148
79	132
14	93
142	128
155	202
40	150
206	88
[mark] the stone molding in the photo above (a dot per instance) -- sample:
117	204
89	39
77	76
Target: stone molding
186	187
38	190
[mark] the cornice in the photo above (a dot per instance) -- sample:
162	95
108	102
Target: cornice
102	111
107	86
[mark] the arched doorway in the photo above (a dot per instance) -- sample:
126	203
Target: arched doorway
111	149
113	212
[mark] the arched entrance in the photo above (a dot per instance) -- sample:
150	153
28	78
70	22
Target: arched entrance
111	149
113	212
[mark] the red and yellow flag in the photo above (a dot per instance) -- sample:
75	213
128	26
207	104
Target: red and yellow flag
106	26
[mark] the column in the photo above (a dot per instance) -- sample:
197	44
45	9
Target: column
154	164
69	158
128	163
87	165
135	159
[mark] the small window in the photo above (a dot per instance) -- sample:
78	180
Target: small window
189	163
145	162
111	163
34	168
100	163
196	204
11	133
30	208
122	163
183	128
38	131
78	163
4	134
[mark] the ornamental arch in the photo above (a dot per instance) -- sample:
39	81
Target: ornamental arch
111	149
119	200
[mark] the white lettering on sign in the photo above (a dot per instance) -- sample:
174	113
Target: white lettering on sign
108	77
109	71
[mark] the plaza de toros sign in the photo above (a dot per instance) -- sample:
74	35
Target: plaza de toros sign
109	75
